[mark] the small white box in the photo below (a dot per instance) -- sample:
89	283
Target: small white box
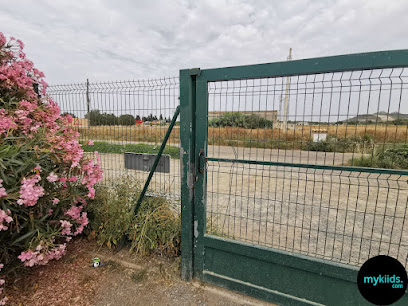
317	137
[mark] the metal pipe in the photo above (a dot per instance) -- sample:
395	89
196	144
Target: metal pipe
156	161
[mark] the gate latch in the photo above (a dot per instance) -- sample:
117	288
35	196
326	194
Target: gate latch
201	161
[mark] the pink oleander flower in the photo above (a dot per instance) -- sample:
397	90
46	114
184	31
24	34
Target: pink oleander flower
66	225
25	255
29	192
83	221
52	177
74	212
5	219
91	193
90	143
72	178
55	201
3	192
41	256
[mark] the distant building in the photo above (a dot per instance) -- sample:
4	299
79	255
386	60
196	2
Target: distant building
292	125
268	115
301	123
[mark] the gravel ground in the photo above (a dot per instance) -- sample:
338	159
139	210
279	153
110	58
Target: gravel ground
342	216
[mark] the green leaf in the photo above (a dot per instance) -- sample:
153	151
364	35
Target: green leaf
25	236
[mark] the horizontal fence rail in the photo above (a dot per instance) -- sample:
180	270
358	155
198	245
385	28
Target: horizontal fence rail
126	116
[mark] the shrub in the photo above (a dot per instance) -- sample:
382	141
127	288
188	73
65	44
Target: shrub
395	157
95	117
156	227
361	144
126	120
237	119
45	180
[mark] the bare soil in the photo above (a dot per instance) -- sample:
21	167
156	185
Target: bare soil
123	279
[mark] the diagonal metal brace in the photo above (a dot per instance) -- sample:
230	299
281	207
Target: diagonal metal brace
156	161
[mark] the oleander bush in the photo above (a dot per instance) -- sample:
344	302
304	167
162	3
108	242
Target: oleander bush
45	180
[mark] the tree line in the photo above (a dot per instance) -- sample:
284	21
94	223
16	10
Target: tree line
95	117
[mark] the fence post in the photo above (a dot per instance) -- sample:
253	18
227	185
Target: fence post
88	102
187	167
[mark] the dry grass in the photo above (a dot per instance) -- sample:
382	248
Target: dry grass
380	133
129	133
247	137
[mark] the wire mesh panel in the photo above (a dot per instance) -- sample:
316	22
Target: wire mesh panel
280	158
126	116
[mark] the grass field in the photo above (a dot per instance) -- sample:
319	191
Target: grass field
106	147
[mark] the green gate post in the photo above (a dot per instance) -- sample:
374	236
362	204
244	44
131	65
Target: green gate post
187	167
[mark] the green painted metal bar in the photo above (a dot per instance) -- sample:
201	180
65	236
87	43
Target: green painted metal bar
293	260
360	61
187	169
259	292
200	186
310	166
156	161
279	276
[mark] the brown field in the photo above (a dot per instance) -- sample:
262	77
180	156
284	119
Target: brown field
247	137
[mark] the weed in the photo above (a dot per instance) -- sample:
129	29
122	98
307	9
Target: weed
156	227
113	265
139	276
390	157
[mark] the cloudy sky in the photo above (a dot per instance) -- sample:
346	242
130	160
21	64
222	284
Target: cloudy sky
123	39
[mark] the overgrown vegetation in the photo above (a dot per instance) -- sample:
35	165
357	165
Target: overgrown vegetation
106	147
395	157
360	144
156	227
237	119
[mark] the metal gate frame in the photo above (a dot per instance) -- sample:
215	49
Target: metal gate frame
269	274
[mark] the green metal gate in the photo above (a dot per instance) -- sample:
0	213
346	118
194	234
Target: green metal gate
291	176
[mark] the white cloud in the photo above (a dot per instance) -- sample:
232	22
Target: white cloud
110	40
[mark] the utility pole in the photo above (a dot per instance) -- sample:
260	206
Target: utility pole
286	107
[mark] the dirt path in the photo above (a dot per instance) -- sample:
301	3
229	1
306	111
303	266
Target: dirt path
124	279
